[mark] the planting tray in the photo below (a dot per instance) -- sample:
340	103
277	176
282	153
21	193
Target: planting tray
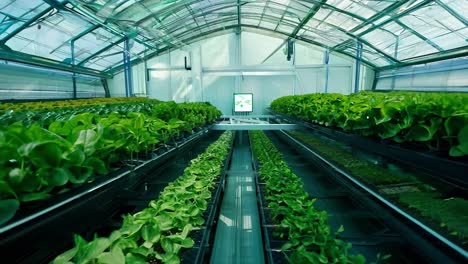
205	236
422	238
452	170
47	227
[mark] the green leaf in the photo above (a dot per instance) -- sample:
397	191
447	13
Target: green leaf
92	250
340	229
97	165
54	176
87	139
58	127
116	256
165	222
151	233
187	243
141	251
42	154
75	156
171	258
29	197
8	209
135	259
65	257
463	139
80	174
5	188
16	176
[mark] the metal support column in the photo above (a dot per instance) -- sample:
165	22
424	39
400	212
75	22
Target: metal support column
357	69
127	69
146	72
326	58
395	54
72	46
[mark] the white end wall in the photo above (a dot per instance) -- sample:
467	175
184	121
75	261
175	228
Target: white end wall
246	62
447	76
19	81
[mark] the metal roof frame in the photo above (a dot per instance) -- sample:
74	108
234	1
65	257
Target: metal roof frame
176	34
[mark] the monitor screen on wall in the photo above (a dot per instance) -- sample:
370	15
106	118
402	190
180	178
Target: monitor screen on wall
243	102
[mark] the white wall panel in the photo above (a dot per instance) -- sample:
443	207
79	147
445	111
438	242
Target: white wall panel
232	63
447	75
340	80
26	82
219	90
117	85
265	89
310	80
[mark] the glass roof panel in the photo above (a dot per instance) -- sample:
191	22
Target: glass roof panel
432	21
363	8
453	40
341	20
415	28
383	40
106	59
459	6
93	42
49	38
14	14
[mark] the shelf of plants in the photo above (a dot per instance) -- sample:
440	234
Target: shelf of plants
424	130
47	152
171	225
300	230
438	207
431	201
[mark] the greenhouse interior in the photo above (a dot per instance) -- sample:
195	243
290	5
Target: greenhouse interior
233	131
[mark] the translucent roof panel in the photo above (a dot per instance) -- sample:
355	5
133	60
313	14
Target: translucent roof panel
13	14
106	59
49	36
92	42
391	31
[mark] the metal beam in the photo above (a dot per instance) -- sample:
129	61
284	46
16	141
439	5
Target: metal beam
48	63
91	18
439	56
254	127
357	67
417	34
452	12
380	14
326	58
127	69
88	30
101	51
72	47
119	68
238	15
306	19
25	25
404	13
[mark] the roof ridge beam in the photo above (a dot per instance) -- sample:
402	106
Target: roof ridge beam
307	18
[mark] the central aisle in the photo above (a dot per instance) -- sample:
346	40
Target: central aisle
238	236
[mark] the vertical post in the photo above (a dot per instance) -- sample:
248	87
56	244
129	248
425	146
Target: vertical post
395	55
146	72
201	74
357	69
125	72
326	58
127	69
72	46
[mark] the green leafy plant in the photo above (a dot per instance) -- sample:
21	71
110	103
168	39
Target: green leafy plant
437	120
158	233
44	153
306	228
